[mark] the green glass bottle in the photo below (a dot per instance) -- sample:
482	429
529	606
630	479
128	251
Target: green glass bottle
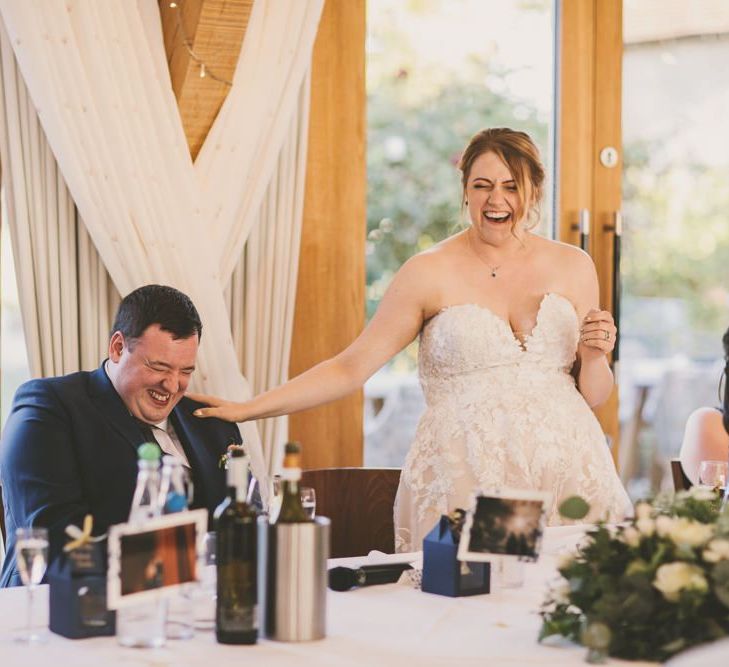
292	510
236	613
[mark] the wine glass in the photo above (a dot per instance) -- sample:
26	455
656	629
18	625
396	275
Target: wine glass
275	498
713	473
31	556
308	501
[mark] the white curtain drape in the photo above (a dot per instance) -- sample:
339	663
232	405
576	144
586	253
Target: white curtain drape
58	270
97	74
262	292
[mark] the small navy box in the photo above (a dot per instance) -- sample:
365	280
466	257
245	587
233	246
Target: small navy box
77	593
443	573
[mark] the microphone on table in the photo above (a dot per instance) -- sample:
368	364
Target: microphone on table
344	578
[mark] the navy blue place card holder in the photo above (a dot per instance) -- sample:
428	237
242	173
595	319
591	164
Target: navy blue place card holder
443	573
77	593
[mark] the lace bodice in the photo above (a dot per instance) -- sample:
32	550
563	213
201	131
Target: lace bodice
502	413
466	340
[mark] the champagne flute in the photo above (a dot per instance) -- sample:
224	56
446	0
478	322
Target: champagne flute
308	501
31	555
275	498
714	473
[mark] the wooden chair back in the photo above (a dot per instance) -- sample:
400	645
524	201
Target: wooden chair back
680	481
359	502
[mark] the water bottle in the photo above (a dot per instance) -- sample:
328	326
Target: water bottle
143	625
175	494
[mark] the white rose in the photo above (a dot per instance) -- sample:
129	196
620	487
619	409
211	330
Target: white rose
691	533
702	492
672	578
631	536
564	560
560	593
716	550
643	511
646	526
664	524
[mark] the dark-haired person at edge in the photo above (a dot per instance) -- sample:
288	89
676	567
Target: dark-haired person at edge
69	447
512	355
706	436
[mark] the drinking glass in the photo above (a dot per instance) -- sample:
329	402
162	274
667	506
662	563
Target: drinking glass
308	501
206	593
713	473
275	498
31	555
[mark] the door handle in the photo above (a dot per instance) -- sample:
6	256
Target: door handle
617	229
584	228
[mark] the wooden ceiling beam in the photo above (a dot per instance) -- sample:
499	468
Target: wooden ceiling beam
214	31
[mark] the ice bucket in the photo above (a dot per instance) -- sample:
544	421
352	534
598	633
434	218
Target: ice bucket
292	579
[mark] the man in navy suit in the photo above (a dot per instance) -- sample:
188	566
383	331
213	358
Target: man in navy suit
70	444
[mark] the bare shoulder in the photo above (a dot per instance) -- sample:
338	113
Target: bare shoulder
571	257
438	257
706	422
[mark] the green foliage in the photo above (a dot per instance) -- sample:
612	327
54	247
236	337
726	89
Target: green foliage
676	236
574	508
647	589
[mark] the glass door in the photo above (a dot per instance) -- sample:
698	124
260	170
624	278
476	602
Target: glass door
675	281
437	72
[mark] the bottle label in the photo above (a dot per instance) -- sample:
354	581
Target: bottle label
291	474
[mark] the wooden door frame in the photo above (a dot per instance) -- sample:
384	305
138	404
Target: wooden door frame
589	71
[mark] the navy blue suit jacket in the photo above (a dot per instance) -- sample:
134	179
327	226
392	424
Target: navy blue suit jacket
69	449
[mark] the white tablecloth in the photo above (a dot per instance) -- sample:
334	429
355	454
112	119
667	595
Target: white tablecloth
379	625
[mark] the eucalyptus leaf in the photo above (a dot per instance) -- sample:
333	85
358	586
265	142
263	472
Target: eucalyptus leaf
574	508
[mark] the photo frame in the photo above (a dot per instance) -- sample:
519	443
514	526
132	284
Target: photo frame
504	522
153	559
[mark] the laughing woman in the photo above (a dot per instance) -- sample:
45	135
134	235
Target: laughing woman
513	355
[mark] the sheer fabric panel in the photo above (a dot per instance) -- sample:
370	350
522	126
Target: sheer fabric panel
262	293
61	281
98	74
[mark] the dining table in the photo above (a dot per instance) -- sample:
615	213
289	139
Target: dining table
392	624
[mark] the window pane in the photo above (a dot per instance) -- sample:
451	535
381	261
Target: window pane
438	71
676	235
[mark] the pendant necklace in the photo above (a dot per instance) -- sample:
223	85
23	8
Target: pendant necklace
492	269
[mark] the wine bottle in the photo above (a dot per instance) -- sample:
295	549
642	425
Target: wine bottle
236	613
292	510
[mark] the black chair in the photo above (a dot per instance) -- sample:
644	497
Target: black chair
359	502
680	481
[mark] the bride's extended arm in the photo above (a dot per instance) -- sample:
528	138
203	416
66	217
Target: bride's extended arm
396	323
597	337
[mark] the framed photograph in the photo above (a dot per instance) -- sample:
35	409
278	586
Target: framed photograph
151	560
506	522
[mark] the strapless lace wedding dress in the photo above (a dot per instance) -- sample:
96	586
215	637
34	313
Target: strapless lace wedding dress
502	414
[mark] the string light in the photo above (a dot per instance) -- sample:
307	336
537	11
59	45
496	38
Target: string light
205	71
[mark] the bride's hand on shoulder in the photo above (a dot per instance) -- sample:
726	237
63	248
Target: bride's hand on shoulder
220	409
597	335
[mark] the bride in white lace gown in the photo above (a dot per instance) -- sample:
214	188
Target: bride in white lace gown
502	412
513	353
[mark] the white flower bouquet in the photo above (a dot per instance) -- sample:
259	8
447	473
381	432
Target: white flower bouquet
648	588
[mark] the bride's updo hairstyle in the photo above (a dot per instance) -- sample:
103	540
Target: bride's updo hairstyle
519	153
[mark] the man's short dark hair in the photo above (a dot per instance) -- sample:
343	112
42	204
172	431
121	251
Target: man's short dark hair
172	310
